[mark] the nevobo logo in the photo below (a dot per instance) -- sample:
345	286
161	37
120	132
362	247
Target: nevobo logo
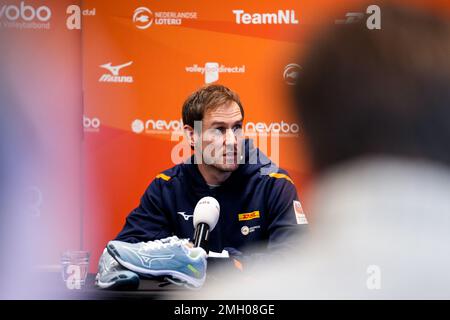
91	124
155	126
273	127
25	12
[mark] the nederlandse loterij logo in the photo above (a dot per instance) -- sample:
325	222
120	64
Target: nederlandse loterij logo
280	17
211	70
373	21
114	75
24	16
291	73
144	18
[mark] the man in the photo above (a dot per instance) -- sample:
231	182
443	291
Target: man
256	197
374	105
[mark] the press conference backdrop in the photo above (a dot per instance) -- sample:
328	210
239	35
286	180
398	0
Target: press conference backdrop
124	68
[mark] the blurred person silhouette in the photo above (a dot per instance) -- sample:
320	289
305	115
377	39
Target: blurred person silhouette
19	228
375	106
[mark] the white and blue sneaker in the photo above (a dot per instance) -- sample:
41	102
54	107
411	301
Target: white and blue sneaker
111	275
171	257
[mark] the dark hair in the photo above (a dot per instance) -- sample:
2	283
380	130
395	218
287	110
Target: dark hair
206	98
382	91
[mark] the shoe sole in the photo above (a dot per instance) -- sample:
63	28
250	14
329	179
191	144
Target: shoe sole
119	284
158	273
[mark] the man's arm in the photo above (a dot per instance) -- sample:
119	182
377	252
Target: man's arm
285	224
148	221
285	220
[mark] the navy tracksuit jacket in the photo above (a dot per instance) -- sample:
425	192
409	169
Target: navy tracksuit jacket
256	204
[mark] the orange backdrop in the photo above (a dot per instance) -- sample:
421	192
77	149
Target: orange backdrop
160	64
124	72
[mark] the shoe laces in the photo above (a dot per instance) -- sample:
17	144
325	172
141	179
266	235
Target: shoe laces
165	243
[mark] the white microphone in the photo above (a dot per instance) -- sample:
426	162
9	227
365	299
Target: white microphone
206	215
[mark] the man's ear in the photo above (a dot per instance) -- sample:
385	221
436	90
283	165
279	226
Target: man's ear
190	135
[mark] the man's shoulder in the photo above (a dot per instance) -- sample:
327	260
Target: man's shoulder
272	173
171	174
279	175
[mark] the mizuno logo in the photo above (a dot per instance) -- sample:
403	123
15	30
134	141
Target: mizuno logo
147	259
115	69
185	216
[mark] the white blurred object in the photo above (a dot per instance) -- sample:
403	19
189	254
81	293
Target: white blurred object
223	254
380	229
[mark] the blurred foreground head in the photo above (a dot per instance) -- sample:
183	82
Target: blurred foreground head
382	92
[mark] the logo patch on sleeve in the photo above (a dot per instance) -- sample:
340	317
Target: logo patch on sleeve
248	216
299	214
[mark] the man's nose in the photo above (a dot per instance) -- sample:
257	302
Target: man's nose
230	137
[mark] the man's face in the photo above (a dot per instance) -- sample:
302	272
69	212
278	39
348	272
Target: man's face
222	136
